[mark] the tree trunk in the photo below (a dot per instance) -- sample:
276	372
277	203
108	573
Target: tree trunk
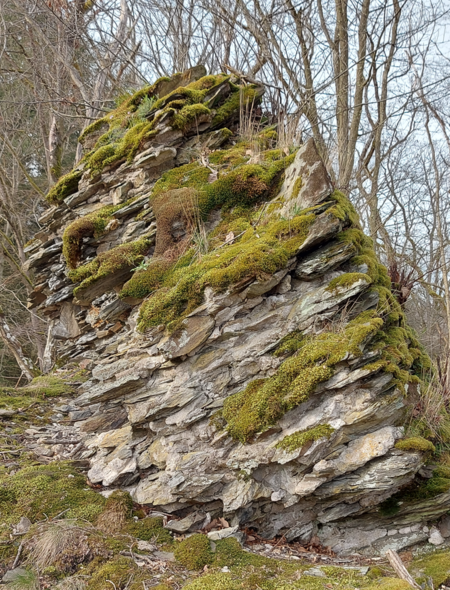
25	364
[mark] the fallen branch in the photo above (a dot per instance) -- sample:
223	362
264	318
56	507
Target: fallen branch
400	569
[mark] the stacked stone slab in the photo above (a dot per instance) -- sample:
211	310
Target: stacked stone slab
147	411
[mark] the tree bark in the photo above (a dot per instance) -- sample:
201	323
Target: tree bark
25	364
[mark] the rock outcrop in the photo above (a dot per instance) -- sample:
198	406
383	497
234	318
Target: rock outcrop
247	355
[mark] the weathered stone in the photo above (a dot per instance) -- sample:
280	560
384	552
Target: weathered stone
306	181
323	260
23	526
435	537
13	576
109	390
192	334
185	524
444	526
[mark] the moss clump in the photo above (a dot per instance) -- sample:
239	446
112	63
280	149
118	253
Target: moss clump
230	553
435	566
290	343
215	582
135	120
389	584
150	529
344	210
147	280
346	280
47	386
245	97
258	254
194	552
265	401
415	444
240	184
44	491
299	439
118	258
120	572
194	113
66	185
93	224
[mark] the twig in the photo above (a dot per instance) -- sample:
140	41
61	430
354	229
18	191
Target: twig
400	569
19	551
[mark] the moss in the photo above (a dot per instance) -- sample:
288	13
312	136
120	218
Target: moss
91	128
194	552
183	107
93	224
389	584
290	343
240	185
47	386
214	582
297	187
189	114
174	206
147	280
121	257
242	98
346	280
44	491
150	529
255	255
344	210
299	439
120	572
265	401
435	566
230	553
415	444
66	185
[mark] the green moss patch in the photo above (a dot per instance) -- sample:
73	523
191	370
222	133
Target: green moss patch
150	529
258	254
120	573
121	257
66	185
435	566
194	552
263	402
93	224
416	443
299	439
346	280
44	491
135	120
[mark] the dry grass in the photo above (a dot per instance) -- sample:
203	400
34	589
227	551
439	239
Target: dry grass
27	580
51	540
430	414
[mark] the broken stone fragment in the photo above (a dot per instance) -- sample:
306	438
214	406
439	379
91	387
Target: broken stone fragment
306	181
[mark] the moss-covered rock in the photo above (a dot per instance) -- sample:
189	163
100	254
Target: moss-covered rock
194	552
416	443
45	491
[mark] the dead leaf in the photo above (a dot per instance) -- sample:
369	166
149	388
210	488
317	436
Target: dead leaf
229	237
286	151
224	523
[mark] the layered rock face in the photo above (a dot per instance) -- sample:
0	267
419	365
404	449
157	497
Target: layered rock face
247	355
